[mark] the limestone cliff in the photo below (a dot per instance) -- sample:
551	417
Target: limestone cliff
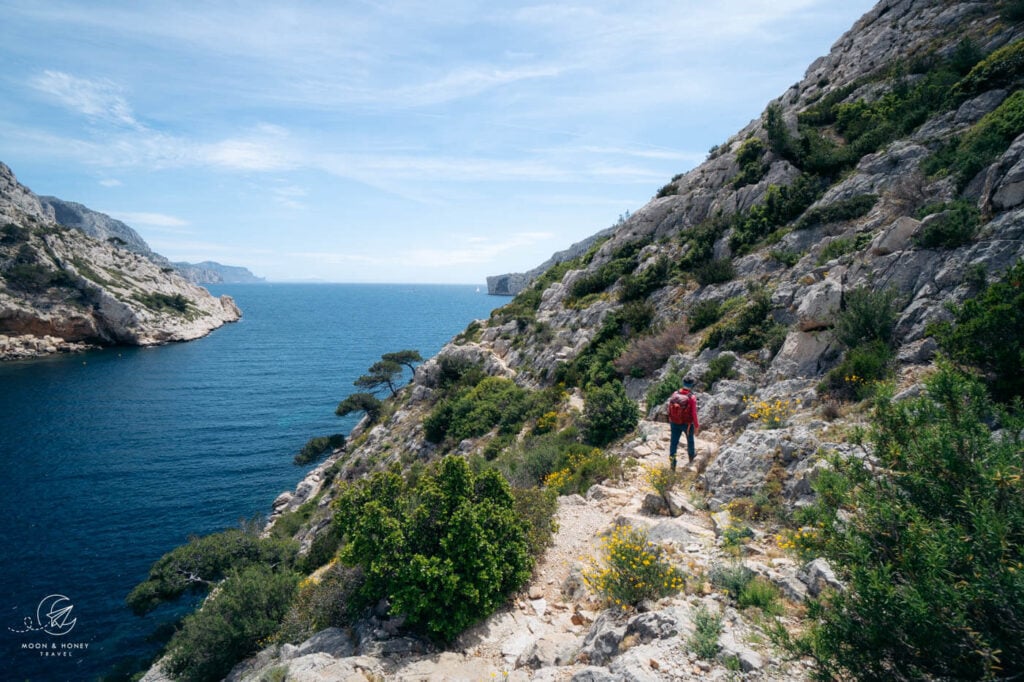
210	272
512	283
60	283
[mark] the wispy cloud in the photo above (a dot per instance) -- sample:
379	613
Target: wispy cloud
149	219
473	250
97	99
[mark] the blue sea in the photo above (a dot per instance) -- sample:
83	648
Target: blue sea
112	458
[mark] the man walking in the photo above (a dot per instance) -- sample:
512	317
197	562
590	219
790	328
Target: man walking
682	418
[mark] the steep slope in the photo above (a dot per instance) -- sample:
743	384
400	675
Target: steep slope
60	288
886	184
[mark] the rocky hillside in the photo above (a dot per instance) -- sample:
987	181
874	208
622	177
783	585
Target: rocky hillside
795	271
210	272
61	289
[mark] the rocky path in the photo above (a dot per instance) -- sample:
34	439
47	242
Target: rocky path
555	630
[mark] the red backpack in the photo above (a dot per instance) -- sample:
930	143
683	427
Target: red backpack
679	411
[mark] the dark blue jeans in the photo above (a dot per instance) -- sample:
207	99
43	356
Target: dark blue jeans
673	444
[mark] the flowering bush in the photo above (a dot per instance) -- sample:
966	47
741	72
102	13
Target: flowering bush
771	414
632	569
583	470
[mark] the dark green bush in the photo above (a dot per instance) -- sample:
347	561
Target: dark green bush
955	227
752	328
233	624
700	242
987	332
530	461
537	506
720	367
856	377
846	209
866	316
197	566
608	413
704	314
715	271
999	69
781	204
12	233
929	540
966	156
752	167
445	551
638	286
318	446
494	401
159	302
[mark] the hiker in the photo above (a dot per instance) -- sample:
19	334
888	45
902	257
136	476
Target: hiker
682	417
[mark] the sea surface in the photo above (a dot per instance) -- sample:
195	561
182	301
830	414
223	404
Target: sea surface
111	458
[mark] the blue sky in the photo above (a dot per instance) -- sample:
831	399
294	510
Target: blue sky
371	141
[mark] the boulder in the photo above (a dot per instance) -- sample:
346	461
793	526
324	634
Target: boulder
896	237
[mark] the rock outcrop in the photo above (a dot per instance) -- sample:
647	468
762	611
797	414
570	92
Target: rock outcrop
64	288
210	272
512	283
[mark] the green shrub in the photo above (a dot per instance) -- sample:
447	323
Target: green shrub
750	157
837	248
704	314
955	227
608	413
987	332
715	271
846	209
781	204
174	303
637	286
581	469
494	402
857	375
319	445
632	569
762	594
234	623
787	258
537	507
732	578
321	603
866	316
197	566
927	539
720	367
966	156
997	70
445	551
752	328
707	630
12	233
699	242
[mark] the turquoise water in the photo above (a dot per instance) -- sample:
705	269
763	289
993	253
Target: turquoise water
113	457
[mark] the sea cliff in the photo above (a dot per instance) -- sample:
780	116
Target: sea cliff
61	289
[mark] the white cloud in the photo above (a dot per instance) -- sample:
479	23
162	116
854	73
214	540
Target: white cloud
475	251
110	182
149	219
97	99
